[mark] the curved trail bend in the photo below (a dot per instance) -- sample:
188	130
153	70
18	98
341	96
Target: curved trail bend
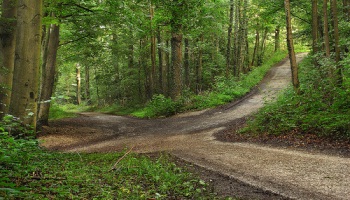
289	173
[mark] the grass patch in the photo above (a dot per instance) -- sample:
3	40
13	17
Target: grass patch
66	111
28	172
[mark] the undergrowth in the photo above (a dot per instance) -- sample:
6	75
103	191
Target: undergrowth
322	108
29	172
224	90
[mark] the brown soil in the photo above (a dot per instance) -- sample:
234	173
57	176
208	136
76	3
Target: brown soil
236	166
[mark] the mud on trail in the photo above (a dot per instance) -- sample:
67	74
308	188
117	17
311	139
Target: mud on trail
246	170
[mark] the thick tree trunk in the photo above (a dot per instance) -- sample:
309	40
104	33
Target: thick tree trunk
78	83
7	52
48	76
229	37
326	28
336	42
292	57
27	63
176	57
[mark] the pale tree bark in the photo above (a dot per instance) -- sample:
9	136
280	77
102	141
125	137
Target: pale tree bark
27	63
7	52
326	28
229	38
292	57
78	83
48	76
336	42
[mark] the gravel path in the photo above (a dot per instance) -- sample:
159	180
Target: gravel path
288	173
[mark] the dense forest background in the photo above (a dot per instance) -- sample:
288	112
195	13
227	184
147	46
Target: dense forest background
129	53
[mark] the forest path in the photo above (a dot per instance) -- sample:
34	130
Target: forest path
289	173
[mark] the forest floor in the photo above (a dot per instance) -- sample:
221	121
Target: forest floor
248	167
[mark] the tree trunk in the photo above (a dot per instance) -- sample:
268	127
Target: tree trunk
187	62
48	76
256	46
315	30
336	42
27	63
161	67
176	57
326	28
229	37
78	82
292	57
277	39
152	75
199	68
7	53
87	84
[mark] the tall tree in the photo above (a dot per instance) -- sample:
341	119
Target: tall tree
315	29
7	52
326	28
27	63
292	57
48	76
336	42
229	38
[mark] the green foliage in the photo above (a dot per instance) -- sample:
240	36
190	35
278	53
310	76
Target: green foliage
59	111
322	108
159	106
28	172
229	89
14	127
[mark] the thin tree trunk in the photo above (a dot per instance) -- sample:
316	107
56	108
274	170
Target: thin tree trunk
336	42
152	75
292	57
199	68
326	28
229	37
25	88
78	83
161	67
256	46
277	39
48	76
87	84
7	53
315	30
187	62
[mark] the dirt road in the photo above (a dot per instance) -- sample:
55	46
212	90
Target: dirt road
289	173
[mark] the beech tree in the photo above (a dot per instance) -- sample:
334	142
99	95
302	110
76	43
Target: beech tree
7	48
24	97
290	44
